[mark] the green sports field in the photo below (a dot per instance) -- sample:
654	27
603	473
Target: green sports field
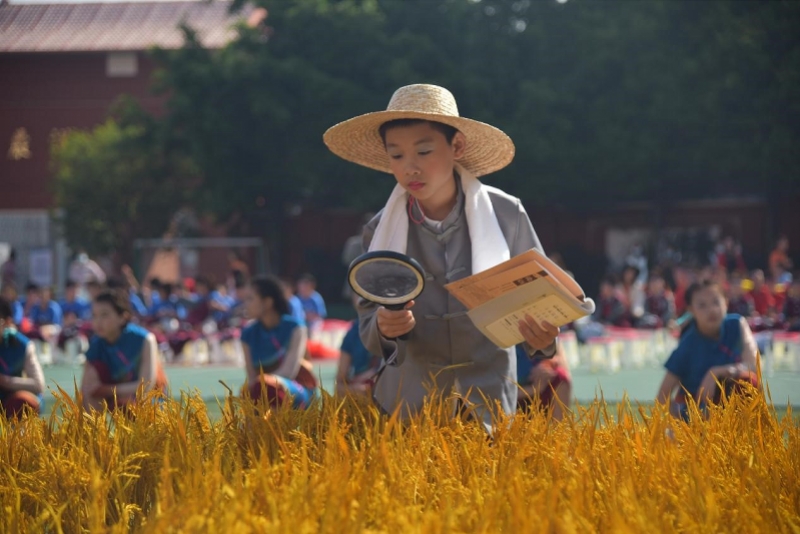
639	385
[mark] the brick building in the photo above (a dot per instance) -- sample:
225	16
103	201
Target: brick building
62	66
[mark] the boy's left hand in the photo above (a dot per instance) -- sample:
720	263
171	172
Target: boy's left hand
538	336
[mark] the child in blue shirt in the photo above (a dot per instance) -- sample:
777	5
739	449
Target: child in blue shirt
21	377
547	381
274	347
73	304
312	301
47	311
357	366
9	293
122	356
295	305
714	347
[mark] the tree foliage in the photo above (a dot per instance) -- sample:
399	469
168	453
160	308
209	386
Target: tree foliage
118	182
656	100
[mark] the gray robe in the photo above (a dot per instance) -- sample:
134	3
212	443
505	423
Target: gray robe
445	351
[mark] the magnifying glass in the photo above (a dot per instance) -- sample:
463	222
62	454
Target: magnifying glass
387	278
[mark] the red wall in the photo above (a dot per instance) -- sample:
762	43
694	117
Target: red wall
40	92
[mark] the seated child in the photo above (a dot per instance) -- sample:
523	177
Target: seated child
122	357
72	303
716	346
21	377
763	298
659	305
547	381
610	309
312	301
274	347
357	367
9	292
740	301
295	304
791	306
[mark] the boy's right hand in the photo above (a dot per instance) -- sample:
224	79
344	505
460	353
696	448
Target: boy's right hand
395	323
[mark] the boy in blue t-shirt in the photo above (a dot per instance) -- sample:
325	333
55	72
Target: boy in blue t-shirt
73	304
312	301
357	366
47	311
21	377
714	347
9	293
296	309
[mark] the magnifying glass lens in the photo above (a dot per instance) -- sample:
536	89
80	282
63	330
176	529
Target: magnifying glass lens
386	279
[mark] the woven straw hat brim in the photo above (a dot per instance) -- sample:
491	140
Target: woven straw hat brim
358	140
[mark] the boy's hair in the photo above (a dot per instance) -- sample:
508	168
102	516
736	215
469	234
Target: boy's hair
270	287
696	287
205	280
5	309
31	287
307	277
445	129
117	299
609	279
12	286
94	283
71	284
115	283
287	283
239	279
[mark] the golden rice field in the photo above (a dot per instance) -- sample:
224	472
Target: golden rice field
345	468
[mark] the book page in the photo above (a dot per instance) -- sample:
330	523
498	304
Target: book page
470	296
485	289
559	274
550	308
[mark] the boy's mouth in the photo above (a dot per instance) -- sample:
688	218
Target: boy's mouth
416	186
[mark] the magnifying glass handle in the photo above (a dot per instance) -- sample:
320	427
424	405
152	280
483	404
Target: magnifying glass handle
397	307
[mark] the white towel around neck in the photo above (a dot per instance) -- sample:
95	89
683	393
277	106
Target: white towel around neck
489	246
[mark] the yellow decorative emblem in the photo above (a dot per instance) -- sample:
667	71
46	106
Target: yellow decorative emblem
20	145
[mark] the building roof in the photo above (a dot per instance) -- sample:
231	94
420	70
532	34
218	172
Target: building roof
119	26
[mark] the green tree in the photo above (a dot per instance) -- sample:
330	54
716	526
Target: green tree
118	182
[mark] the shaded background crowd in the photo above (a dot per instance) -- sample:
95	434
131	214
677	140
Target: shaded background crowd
656	145
638	293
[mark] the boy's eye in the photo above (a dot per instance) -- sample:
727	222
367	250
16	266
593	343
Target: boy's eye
395	156
424	153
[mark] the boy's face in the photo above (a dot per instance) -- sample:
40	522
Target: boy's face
69	293
736	290
33	296
606	290
708	308
254	305
794	289
9	293
106	322
305	288
656	286
422	161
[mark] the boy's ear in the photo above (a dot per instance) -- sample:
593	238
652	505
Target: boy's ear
459	145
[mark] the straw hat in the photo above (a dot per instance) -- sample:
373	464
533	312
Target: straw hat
358	139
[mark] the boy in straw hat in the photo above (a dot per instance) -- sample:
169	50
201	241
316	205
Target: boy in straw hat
454	226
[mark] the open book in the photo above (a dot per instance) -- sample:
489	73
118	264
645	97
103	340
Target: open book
500	297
